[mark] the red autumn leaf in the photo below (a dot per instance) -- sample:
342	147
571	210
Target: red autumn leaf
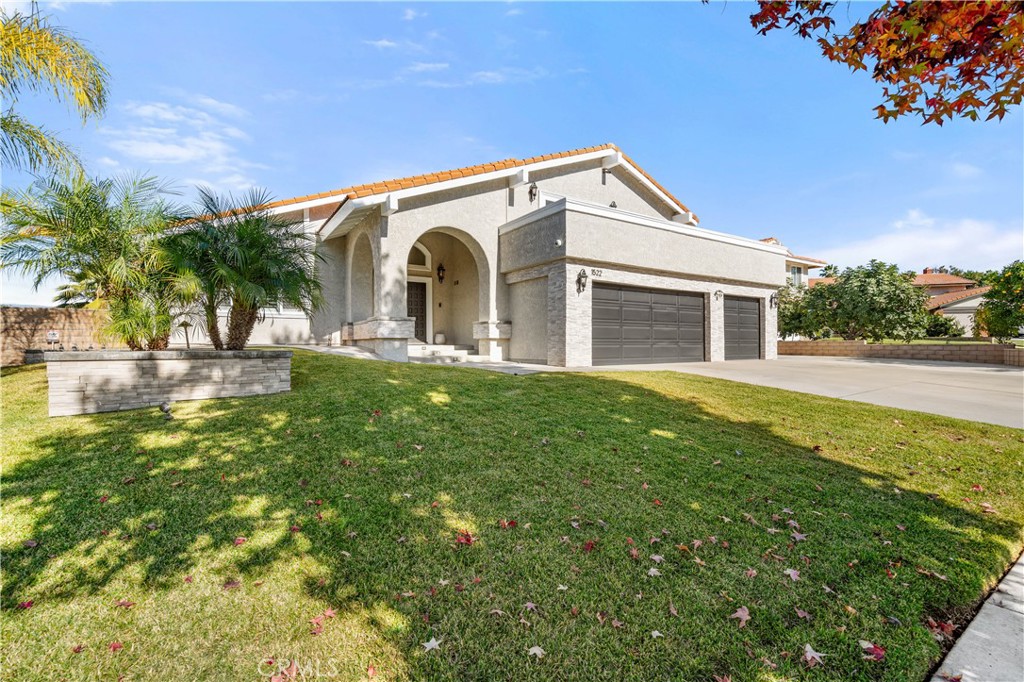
464	537
188	578
507	524
634	553
657	502
589	546
371	672
743	615
871	651
104	498
125	604
240	541
977	488
329	613
232	584
115	646
77	649
26	604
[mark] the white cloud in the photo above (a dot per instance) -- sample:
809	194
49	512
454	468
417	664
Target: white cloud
423	67
963	170
514	12
193	135
411	14
503	76
108	162
918	240
381	44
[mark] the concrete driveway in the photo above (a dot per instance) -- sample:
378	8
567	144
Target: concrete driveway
993	394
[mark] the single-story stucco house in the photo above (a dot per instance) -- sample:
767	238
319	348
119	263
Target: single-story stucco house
577	258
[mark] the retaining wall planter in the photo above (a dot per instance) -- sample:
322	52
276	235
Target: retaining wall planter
108	381
989	353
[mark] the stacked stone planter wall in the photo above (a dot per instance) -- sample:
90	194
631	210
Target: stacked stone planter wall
994	353
108	381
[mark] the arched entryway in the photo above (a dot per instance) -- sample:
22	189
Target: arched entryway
360	284
446	280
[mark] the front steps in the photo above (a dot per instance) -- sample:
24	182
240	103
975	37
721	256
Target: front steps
443	353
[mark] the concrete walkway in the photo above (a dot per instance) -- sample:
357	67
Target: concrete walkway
991	649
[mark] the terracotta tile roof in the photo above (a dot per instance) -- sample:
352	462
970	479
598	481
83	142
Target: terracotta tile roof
819	280
952	297
808	258
384	186
938	278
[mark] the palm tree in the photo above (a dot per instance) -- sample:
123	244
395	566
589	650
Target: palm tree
35	56
103	235
245	257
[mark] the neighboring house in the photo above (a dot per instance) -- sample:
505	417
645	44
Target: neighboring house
960	305
950	295
573	259
798	268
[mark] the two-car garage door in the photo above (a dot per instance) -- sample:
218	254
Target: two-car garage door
632	326
646	325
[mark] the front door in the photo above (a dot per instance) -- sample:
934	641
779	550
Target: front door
416	296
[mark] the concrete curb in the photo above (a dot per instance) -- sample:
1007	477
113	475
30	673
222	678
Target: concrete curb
991	649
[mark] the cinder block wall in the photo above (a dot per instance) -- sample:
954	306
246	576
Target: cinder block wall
994	354
85	383
24	328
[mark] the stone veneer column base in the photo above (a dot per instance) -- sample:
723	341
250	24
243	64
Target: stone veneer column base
109	381
493	339
388	337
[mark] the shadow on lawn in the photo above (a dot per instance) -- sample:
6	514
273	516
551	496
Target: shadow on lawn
494	446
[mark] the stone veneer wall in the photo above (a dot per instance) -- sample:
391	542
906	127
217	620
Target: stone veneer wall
25	328
995	354
108	381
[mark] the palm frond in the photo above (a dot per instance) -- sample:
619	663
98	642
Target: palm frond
28	146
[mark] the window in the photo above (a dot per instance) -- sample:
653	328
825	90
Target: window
796	275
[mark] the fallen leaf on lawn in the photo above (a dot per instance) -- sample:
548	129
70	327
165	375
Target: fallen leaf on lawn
672	609
26	604
464	537
371	672
657	502
530	606
505	524
115	646
655	634
871	651
104	499
589	546
657	558
793	574
977	488
653	572
616	623
240	540
812	657
231	584
950	677
797	537
30	543
800	613
125	604
850	610
188	578
535	651
750	573
601	616
432	644
77	649
700	562
743	615
496	612
987	508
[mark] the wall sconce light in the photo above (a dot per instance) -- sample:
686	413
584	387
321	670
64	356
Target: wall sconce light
581	281
533	193
613	205
774	300
440	273
718	295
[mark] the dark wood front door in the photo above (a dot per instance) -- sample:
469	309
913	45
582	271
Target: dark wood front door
416	295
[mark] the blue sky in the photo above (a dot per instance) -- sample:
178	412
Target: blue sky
758	135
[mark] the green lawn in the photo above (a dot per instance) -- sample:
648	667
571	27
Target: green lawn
350	492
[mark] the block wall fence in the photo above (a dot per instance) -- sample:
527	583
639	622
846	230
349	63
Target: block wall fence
993	354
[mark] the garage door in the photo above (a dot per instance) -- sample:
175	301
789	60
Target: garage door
742	328
646	325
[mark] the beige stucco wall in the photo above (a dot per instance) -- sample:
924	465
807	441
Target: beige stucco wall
963	312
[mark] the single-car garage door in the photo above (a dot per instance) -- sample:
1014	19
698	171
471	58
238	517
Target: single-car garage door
646	325
742	328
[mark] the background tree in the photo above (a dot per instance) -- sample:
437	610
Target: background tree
935	60
794	316
830	271
103	236
874	301
38	57
941	326
246	257
1002	313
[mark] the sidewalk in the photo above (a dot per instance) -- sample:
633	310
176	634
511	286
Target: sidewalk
991	649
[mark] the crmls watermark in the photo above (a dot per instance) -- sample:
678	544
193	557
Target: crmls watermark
298	669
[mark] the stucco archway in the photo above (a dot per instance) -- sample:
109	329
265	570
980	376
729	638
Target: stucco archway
361	273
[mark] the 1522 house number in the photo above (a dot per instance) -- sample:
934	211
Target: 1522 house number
594	272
